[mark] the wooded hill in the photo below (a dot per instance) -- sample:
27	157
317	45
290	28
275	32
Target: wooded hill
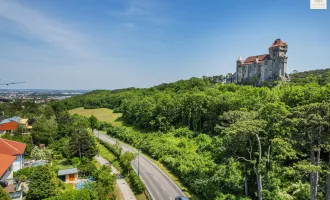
227	141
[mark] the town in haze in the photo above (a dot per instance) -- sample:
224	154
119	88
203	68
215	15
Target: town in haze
164	100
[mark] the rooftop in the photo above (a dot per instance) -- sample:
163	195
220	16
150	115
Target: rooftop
11	147
67	171
15	119
6	161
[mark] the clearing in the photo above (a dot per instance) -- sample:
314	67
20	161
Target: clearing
102	114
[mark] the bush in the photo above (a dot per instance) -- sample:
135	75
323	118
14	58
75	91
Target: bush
23	174
135	182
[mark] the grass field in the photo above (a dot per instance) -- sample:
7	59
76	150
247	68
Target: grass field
102	114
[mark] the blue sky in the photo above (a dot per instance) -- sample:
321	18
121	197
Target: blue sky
108	44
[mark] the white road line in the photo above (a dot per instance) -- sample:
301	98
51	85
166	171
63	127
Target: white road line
155	178
149	171
170	198
162	187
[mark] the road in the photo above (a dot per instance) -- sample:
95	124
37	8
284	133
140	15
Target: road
121	182
160	186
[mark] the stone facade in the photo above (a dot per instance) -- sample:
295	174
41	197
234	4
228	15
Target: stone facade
267	67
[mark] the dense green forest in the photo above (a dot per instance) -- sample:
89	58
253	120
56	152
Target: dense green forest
227	141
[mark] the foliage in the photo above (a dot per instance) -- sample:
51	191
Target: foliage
23	174
105	183
93	122
85	194
41	154
44	183
82	144
3	194
43	131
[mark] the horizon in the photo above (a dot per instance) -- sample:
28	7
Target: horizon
110	45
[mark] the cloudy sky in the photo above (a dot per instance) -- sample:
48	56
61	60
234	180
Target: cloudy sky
109	44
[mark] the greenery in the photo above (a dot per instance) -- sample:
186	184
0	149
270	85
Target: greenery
3	194
102	114
44	183
227	141
126	169
41	154
75	195
82	144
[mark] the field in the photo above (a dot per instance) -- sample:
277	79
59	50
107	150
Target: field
102	114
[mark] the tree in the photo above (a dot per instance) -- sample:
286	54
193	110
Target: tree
44	131
3	194
94	123
44	183
41	154
82	144
105	183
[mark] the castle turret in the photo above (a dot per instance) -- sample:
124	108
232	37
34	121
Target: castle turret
239	64
277	52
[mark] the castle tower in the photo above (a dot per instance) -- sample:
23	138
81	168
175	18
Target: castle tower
239	66
277	52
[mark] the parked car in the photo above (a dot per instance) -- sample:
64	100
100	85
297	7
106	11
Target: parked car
181	198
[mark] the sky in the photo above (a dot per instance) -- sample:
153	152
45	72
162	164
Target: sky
111	44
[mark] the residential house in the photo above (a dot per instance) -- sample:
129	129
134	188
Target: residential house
9	125
13	148
68	175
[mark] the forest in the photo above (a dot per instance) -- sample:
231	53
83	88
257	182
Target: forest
227	141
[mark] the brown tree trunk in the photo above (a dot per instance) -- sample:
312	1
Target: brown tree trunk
267	165
259	181
246	189
312	177
327	197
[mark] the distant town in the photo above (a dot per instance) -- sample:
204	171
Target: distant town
37	95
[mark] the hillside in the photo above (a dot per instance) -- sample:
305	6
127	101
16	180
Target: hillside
222	139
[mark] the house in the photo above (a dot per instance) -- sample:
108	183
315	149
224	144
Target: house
68	175
9	125
6	177
13	148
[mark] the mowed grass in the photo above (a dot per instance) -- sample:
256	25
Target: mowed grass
102	114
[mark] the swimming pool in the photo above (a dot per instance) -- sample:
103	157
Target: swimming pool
38	163
81	185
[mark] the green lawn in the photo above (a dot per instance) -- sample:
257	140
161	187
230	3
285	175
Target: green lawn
102	114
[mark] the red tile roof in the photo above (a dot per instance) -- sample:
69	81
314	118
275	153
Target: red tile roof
251	59
6	161
278	43
11	147
9	126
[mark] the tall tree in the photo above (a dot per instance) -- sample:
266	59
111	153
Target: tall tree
94	123
82	144
44	183
44	131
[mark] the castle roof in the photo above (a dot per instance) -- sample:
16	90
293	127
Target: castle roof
278	43
259	58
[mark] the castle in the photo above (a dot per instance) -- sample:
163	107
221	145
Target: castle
266	67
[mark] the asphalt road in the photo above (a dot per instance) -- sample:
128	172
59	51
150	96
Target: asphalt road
158	184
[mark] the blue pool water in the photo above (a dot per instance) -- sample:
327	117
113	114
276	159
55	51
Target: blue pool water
38	163
80	185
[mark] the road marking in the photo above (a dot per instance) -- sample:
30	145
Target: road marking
170	198
149	171
162	187
155	178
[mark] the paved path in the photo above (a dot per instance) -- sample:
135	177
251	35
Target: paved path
160	186
121	182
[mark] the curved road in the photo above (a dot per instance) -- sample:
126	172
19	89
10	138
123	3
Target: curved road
158	184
